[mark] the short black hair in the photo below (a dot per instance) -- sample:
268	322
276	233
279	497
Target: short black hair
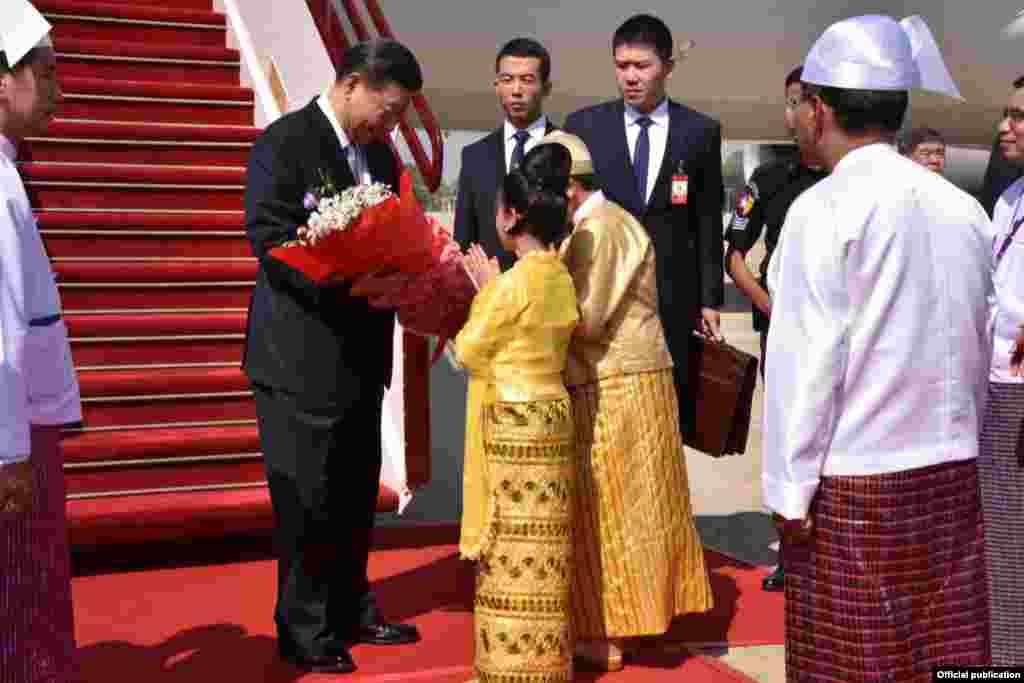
536	188
921	135
794	76
29	57
382	62
858	111
1018	83
526	47
648	30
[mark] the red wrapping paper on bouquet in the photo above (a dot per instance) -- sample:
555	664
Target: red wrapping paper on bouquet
393	236
435	302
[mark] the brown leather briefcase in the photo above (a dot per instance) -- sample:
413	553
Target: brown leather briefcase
722	379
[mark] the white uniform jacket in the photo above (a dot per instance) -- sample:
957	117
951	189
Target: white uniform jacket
880	342
37	379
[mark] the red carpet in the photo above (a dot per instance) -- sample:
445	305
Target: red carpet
214	622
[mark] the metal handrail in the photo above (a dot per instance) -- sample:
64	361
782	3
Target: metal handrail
329	24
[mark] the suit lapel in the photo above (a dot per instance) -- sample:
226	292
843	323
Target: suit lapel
496	145
620	167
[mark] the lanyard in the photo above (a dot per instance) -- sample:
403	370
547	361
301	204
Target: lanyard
1009	236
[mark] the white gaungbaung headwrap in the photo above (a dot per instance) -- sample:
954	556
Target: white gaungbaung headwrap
24	28
875	52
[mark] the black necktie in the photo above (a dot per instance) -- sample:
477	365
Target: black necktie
641	157
519	151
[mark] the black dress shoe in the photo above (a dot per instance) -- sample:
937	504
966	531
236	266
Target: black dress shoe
338	663
775	582
387	634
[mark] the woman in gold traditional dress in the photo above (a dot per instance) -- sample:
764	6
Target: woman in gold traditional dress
518	481
639	560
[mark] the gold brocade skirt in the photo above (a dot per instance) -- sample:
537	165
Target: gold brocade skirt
525	555
639	560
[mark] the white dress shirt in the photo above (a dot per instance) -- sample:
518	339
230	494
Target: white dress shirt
657	134
1009	281
37	378
537	129
880	342
354	153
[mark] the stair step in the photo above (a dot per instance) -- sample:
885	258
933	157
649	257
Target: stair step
95	297
141	245
175	515
206	5
148	62
56	194
154	271
125	384
170	515
142	131
96	448
148	325
165	475
133	186
156	101
144	412
136	234
158	90
132	174
113	353
130	22
123	142
144	50
148	221
156	339
132	11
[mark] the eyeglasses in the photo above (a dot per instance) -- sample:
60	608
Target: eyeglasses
1016	116
926	153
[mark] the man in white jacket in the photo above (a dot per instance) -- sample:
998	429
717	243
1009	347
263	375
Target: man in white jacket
875	380
38	388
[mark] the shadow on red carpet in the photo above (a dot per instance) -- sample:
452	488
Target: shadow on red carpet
199	623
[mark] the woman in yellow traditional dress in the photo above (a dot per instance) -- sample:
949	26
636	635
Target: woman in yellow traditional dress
639	560
518	480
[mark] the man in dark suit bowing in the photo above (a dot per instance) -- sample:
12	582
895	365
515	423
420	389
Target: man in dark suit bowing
522	81
662	162
319	360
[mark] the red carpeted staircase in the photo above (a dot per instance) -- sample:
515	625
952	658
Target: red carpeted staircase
138	187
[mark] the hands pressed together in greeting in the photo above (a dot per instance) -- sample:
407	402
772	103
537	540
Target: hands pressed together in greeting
481	268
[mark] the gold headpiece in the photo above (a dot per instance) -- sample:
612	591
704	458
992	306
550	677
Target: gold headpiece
582	164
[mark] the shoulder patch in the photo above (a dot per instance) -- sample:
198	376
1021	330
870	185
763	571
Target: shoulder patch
747	199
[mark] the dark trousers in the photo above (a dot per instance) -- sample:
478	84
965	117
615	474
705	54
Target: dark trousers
323	470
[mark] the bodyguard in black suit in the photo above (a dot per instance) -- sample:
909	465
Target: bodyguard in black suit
522	81
319	360
662	162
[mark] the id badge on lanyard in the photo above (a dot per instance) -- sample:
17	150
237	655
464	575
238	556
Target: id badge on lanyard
680	184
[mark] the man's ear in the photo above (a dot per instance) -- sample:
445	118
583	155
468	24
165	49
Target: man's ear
546	89
5	83
349	83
